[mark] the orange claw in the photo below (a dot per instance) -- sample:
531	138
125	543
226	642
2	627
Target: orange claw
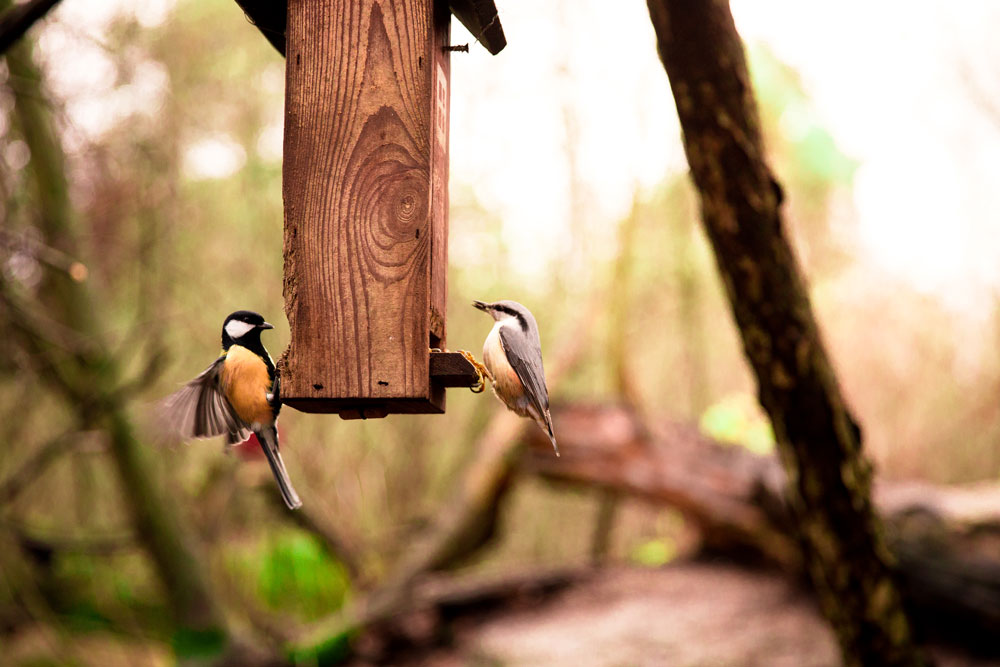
481	370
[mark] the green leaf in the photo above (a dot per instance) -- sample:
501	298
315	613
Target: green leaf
330	652
738	420
189	643
654	553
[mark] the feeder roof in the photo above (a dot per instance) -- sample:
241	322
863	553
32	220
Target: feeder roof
478	16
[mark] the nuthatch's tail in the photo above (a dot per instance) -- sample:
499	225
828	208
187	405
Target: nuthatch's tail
269	443
548	429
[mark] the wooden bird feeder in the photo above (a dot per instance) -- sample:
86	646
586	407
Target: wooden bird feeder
365	187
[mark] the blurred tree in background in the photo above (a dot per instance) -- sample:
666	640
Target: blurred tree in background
142	203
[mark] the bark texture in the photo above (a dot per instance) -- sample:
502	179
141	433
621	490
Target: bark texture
820	444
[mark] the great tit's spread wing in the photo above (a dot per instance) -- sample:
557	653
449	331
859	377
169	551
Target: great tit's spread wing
200	408
524	353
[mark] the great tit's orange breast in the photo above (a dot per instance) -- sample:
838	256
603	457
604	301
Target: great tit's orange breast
246	383
506	383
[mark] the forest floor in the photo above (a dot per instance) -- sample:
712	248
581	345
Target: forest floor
684	614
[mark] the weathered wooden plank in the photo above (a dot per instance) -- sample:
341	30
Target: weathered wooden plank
452	369
440	107
360	108
447	369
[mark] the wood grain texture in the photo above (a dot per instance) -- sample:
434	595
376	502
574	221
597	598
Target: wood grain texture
360	150
452	369
440	108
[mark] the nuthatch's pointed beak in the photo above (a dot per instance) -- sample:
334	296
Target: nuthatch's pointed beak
481	306
267	325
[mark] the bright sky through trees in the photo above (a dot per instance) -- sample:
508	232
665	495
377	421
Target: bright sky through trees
904	88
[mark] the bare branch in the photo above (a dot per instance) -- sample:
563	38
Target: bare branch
39	542
36	464
16	20
45	254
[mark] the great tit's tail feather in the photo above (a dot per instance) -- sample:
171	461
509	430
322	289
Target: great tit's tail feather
269	443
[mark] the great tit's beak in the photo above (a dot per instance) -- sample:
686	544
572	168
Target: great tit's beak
266	325
485	307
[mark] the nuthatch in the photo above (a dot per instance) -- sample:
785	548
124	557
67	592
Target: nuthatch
512	354
236	395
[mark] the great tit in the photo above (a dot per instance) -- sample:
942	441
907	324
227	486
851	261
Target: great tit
512	354
238	394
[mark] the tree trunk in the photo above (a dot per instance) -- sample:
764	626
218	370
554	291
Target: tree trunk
90	378
819	443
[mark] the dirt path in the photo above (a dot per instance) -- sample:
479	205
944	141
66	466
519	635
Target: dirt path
688	614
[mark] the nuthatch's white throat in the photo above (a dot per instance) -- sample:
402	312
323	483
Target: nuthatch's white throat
512	354
238	394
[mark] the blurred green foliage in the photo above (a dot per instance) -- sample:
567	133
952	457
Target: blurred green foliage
292	572
808	152
738	420
654	553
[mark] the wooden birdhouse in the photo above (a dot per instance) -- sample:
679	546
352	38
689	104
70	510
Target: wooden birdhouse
365	186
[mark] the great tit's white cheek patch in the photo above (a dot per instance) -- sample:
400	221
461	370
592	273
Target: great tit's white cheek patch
237	329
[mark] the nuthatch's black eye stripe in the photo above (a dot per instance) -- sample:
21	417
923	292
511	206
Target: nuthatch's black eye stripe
522	323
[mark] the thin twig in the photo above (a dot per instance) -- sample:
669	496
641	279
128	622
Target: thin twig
39	541
36	464
45	254
38	345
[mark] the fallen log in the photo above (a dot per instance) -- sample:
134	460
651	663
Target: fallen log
945	539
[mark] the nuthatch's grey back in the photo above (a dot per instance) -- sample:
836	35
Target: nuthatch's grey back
513	355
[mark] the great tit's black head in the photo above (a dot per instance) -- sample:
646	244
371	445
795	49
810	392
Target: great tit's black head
243	326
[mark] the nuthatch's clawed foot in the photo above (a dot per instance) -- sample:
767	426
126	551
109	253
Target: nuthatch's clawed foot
481	370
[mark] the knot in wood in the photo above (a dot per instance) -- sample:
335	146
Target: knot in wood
402	209
406	207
